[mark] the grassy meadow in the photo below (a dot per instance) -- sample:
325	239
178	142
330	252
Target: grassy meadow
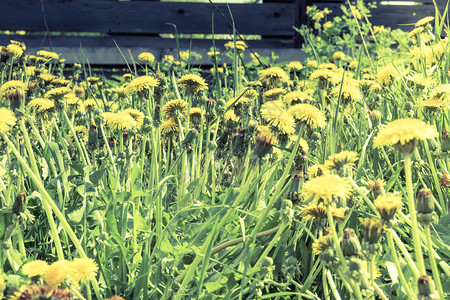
319	179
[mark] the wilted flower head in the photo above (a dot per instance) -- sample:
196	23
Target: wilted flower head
264	143
372	229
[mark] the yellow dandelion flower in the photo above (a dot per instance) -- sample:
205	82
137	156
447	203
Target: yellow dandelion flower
56	273
170	129
317	170
82	134
387	74
274	114
72	100
353	64
355	12
319	211
424	21
34	268
230	115
327	189
348	92
14	50
250	94
46	107
294	66
380	29
57	93
420	81
240	45
7	120
327	25
83	269
141	84
146	57
387	205
92	79
115	298
137	116
274	76
339	55
91	104
415	32
312	64
37	103
274	93
322	243
318	16
309	115
195	115
213	53
296	97
47	54
404	134
442	90
175	109
341	160
192	84
435	104
323	76
47	78
31	70
12	90
119	121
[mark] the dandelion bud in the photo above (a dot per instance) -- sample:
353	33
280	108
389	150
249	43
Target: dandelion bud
157	116
408	106
264	143
355	269
427	289
238	142
372	229
350	243
445	141
445	180
425	207
187	143
376	188
293	193
387	205
112	142
375	117
92	137
19	202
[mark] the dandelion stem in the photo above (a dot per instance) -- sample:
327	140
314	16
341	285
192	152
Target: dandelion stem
413	216
434	268
397	265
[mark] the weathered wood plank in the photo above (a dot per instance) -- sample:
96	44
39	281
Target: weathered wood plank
394	16
102	50
145	17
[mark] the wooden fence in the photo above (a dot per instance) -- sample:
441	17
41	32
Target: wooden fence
99	27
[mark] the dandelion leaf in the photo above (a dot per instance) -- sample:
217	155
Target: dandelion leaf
443	229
